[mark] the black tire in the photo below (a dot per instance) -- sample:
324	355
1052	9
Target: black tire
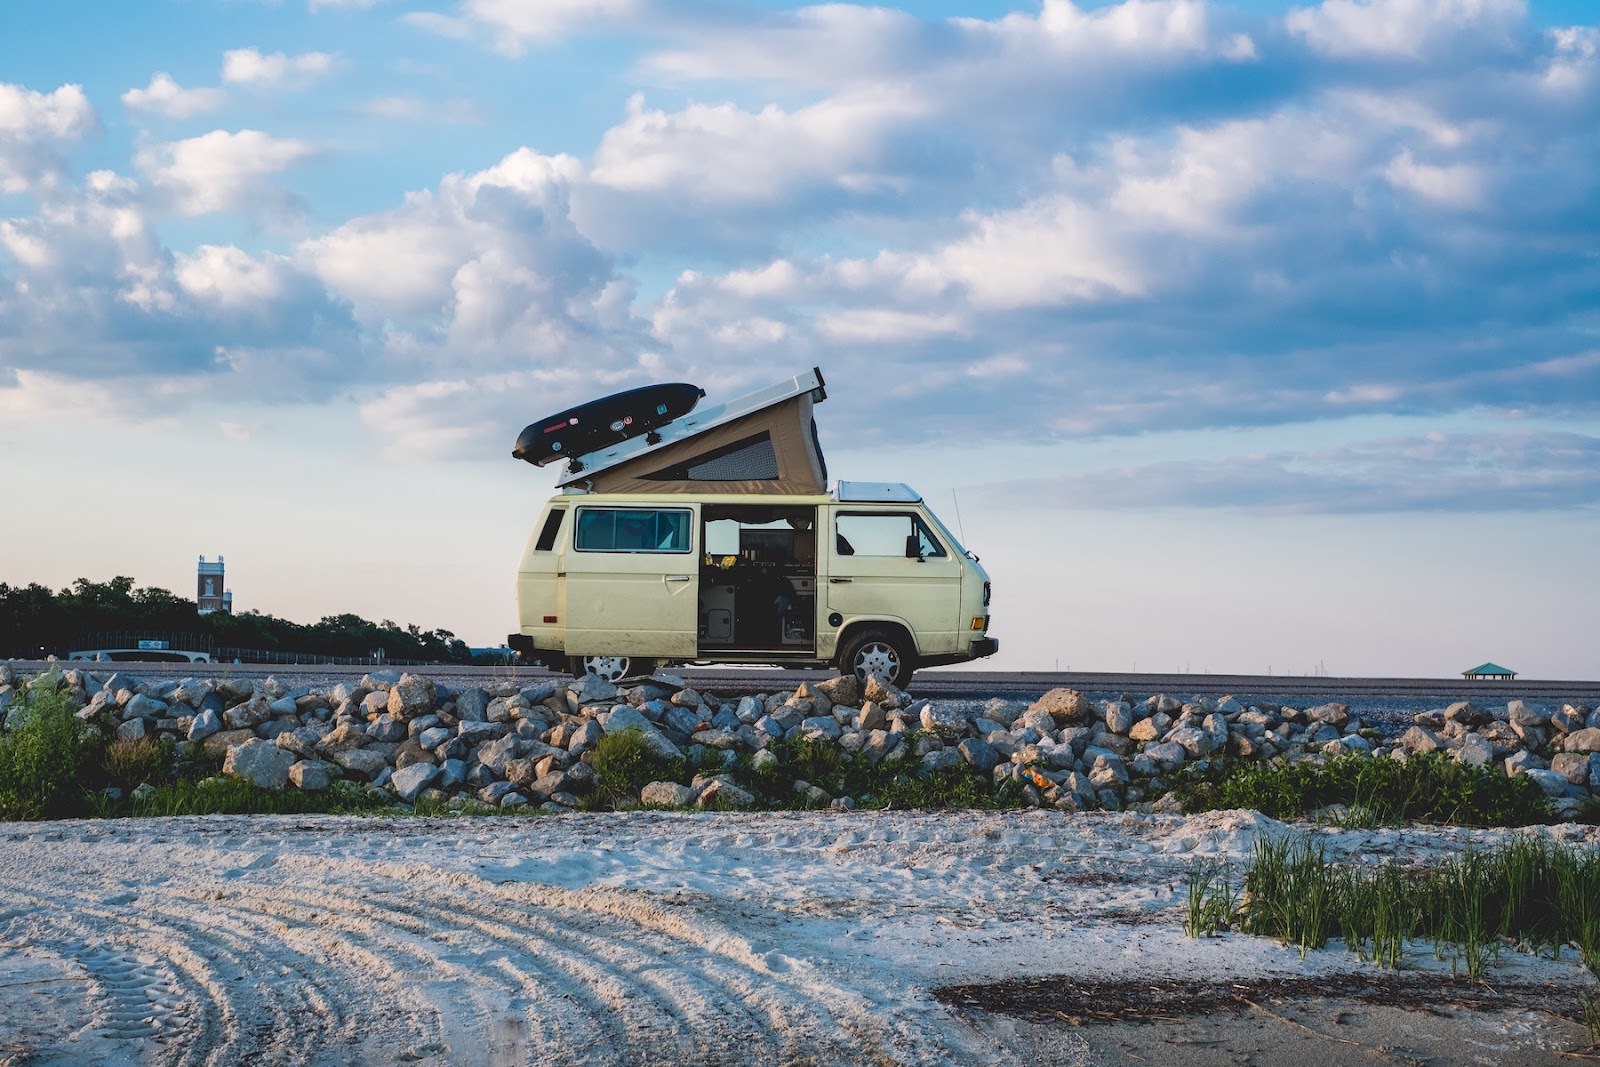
885	653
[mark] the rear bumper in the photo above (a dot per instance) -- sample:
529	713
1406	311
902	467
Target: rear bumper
521	643
984	647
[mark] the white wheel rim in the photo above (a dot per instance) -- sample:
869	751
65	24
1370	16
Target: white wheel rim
608	667
877	659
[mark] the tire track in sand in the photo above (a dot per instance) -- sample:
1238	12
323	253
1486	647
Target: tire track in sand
318	959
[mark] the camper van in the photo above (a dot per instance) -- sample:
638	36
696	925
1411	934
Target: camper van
714	539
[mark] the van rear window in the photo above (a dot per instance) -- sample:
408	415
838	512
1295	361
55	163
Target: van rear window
633	530
552	527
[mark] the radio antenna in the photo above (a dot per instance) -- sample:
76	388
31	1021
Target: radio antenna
957	502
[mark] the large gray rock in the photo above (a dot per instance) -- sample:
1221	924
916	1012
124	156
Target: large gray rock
248	715
821	726
1168	754
1119	717
475	733
878	745
1585	740
1553	784
204	724
1573	766
1474	750
722	792
1520	714
1064	705
412	696
948	725
593	689
366	762
144	707
1417	740
261	762
134	729
472	705
980	755
666	795
311	776
1195	742
409	781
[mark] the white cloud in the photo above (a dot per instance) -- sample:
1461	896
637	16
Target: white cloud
231	279
717	152
164	96
511	25
318	5
32	126
222	171
488	263
247	66
1402	29
1457	185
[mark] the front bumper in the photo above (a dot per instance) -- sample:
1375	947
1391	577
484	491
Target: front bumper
983	647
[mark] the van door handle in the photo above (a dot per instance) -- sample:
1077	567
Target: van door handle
677	577
839	581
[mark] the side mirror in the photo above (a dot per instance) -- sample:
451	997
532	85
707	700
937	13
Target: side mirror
913	547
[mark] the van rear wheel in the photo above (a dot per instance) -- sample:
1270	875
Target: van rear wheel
610	667
878	652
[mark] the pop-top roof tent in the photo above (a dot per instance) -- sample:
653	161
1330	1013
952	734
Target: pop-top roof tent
765	442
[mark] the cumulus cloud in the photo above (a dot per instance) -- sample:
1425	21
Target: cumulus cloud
164	96
248	66
1405	29
1524	471
223	171
511	25
34	126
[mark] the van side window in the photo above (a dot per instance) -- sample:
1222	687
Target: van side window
552	526
899	534
632	530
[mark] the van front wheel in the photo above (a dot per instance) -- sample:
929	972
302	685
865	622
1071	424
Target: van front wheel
877	652
610	667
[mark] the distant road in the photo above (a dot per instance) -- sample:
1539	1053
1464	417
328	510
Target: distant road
935	683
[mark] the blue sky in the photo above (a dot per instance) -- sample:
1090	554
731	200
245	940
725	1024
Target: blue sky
1244	335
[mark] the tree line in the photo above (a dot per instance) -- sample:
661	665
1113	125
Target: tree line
35	622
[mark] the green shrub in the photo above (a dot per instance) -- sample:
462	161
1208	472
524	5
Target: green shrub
1430	787
41	755
128	764
624	763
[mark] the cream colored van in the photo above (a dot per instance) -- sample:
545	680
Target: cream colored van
865	577
715	542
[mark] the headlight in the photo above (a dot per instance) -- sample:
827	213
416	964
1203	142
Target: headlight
985	594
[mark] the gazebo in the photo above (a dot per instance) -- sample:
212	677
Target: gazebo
1489	672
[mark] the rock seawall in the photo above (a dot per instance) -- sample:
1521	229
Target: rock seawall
509	745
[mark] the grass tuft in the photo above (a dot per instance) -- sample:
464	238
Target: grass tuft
1527	892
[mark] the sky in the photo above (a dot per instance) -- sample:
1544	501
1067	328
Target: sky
1235	337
